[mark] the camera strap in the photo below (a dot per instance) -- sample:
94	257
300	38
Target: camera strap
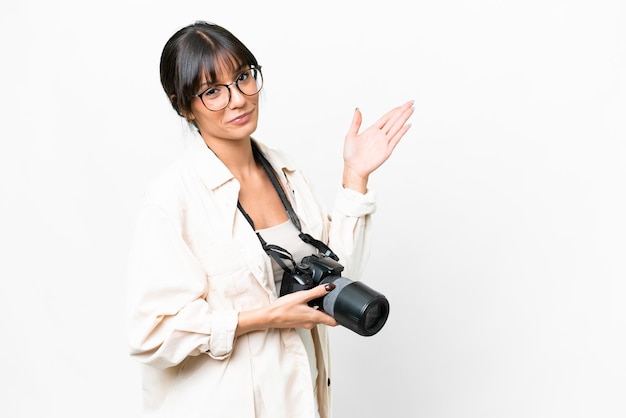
276	252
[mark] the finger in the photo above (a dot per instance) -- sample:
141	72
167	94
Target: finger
398	136
319	291
392	115
357	118
327	320
397	122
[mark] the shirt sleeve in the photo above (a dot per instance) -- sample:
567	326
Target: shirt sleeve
168	316
350	229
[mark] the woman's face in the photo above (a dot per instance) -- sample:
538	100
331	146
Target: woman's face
238	120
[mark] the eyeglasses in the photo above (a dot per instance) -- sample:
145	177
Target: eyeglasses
217	96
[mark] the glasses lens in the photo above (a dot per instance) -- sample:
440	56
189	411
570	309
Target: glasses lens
250	82
216	98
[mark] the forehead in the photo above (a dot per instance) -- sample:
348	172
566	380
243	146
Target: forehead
222	70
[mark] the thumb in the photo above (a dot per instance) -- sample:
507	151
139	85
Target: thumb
357	118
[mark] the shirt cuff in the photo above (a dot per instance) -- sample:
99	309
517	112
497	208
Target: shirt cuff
224	324
352	203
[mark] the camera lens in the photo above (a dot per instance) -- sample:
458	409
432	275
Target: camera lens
372	316
375	317
356	306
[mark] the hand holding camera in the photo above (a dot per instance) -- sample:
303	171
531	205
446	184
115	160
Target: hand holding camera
354	305
294	310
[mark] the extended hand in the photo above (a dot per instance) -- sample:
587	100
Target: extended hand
365	152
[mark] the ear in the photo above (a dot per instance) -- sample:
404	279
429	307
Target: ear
187	115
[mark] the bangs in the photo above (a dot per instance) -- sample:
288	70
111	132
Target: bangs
207	59
219	66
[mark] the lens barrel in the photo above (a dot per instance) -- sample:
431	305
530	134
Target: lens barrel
356	306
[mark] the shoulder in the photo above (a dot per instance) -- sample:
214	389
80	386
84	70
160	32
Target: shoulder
195	170
175	177
167	184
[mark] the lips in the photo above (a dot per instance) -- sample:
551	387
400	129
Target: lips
243	118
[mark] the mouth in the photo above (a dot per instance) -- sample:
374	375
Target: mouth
241	119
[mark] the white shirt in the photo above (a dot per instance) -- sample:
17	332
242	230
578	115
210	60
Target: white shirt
196	263
285	235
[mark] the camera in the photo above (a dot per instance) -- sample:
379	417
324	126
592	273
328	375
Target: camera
352	303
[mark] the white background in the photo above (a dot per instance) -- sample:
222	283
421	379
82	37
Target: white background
500	233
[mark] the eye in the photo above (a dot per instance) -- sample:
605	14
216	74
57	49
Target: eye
212	92
244	76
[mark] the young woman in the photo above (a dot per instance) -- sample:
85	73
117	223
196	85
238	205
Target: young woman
205	315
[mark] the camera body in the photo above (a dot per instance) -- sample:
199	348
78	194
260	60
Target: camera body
353	304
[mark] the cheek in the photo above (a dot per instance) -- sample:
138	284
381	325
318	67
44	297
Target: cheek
207	122
201	116
196	109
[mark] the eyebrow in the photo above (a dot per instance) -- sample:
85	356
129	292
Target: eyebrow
237	73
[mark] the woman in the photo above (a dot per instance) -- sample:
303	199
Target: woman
205	317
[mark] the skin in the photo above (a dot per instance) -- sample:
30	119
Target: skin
228	133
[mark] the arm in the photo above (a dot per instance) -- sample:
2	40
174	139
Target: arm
289	311
363	154
169	317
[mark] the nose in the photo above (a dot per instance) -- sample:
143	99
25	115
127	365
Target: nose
237	98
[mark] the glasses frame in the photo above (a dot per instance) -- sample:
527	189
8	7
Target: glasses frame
236	83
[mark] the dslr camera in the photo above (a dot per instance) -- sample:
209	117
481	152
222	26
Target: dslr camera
352	303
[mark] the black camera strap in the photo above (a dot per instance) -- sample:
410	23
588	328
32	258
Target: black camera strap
276	252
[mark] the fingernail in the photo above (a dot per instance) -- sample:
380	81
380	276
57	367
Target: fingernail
329	286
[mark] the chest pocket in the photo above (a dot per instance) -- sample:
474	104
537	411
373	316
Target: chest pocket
226	268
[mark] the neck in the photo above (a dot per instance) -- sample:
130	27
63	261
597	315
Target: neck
236	155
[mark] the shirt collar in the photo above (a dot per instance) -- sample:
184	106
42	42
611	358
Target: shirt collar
213	171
